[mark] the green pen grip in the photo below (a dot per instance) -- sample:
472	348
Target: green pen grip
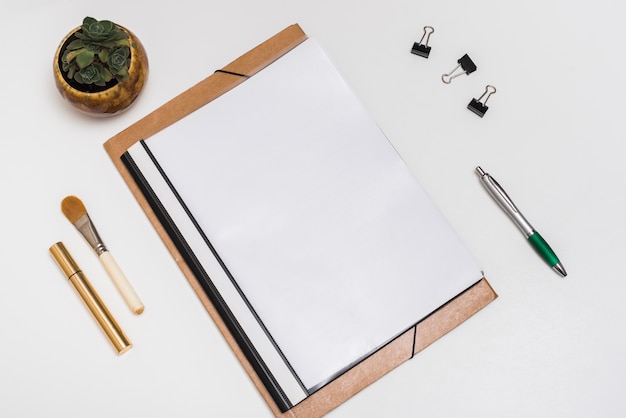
543	249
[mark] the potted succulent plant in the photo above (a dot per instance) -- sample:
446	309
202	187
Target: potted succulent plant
100	67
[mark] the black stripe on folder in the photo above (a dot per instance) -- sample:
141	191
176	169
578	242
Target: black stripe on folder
255	360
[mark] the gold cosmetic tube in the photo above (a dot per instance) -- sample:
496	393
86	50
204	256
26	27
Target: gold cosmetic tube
90	298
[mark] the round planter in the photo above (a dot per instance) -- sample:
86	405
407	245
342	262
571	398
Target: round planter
109	100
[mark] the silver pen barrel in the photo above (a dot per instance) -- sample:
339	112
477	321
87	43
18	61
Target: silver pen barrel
499	195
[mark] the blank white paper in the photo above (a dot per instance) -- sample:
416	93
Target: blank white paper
321	224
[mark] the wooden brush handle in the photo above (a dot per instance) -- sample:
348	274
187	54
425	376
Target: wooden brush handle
120	281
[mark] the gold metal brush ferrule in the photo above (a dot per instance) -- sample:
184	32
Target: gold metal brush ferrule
88	230
90	298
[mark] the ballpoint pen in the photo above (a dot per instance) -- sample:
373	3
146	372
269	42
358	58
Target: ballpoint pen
536	241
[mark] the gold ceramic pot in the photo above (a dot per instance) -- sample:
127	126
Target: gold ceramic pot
112	100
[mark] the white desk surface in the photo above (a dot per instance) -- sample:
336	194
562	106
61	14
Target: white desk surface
553	136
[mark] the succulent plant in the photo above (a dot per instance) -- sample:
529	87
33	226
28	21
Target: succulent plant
99	54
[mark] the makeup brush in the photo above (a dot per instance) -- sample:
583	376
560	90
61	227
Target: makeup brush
75	212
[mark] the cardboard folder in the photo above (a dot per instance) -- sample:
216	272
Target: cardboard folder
392	354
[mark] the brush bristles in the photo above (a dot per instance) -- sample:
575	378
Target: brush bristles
73	208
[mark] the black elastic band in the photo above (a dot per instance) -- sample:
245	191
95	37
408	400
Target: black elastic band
414	341
230	72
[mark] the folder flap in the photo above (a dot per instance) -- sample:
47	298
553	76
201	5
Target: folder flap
401	349
205	91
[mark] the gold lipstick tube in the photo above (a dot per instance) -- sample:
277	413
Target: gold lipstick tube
90	298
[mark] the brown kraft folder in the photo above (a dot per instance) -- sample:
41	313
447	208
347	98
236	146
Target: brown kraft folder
358	377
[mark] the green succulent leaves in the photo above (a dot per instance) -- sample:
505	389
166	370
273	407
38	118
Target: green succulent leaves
94	73
118	61
98	31
100	52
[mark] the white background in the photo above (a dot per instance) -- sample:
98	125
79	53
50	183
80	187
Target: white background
553	137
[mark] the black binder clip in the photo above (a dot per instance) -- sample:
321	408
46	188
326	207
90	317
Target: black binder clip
467	67
421	48
479	106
